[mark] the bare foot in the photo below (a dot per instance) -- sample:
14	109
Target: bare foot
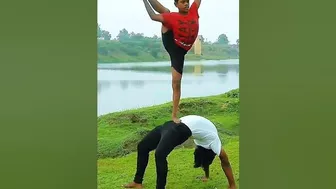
176	120
203	178
133	185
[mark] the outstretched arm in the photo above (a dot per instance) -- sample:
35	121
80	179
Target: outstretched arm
151	13
227	168
158	7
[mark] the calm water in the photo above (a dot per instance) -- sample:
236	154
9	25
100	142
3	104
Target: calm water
134	85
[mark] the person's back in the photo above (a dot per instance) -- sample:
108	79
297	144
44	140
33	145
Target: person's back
204	132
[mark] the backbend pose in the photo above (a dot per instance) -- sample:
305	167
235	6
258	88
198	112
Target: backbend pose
166	137
179	32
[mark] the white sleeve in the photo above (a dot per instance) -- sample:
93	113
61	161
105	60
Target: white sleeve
216	146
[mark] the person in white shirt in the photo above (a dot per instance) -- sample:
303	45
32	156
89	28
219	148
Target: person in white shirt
166	137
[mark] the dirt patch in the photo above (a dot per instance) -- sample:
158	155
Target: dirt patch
127	118
195	106
231	106
137	119
225	105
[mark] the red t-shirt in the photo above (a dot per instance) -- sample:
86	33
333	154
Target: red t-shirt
184	27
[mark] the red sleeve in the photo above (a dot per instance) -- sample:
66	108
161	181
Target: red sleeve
168	19
194	9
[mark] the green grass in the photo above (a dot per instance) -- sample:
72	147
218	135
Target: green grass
119	133
112	173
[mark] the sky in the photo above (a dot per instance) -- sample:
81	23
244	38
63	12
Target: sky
216	17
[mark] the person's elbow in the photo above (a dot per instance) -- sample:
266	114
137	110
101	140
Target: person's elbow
153	17
156	17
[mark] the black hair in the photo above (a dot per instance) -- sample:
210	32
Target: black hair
203	157
176	1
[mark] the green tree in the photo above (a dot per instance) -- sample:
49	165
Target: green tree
99	31
106	35
103	33
223	39
123	35
155	37
135	47
137	36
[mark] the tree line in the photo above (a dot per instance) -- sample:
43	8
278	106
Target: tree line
135	47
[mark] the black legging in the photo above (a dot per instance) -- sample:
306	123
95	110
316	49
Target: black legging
176	53
164	139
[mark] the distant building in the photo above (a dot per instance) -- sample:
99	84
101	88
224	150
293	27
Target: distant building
197	46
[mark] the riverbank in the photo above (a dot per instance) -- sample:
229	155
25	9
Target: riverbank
120	58
152	50
119	133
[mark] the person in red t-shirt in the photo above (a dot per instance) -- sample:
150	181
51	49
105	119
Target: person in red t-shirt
179	32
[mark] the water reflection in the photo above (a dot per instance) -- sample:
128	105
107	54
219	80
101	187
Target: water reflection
138	83
197	69
103	85
124	84
189	77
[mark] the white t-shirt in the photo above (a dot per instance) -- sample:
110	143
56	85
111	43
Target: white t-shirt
204	132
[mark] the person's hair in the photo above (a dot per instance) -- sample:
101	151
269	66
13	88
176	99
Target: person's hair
203	157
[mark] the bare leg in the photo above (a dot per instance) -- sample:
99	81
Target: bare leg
176	85
158	7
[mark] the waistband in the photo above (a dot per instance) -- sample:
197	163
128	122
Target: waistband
182	43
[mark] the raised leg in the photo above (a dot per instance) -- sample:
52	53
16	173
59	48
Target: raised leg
158	7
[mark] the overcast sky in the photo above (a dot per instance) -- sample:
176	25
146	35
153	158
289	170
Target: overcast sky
216	17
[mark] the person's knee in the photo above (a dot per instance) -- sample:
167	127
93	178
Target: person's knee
160	155
176	84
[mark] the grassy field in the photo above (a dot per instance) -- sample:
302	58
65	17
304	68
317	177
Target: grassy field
119	133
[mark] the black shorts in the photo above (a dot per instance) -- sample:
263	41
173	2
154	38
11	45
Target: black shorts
175	52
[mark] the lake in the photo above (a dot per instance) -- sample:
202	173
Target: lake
134	85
